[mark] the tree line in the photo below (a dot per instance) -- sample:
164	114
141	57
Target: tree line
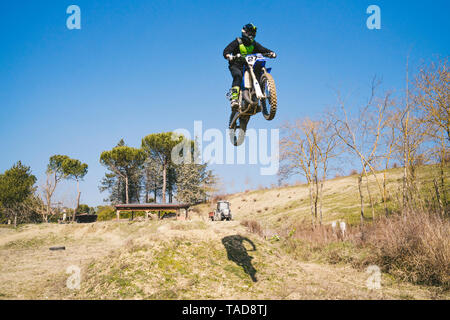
22	201
410	130
134	175
148	174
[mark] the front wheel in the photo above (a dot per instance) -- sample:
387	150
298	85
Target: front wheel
269	104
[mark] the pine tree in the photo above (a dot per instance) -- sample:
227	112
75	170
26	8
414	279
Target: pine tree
16	186
125	176
194	182
153	179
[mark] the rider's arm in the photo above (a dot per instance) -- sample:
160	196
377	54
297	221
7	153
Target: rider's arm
232	49
258	48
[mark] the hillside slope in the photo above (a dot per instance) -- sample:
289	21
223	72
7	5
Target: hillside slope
278	207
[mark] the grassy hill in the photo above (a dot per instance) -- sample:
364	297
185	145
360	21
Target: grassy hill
284	206
201	259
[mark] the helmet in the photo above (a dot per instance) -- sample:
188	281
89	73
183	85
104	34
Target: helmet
248	33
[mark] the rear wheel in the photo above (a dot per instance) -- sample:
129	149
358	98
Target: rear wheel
269	104
237	131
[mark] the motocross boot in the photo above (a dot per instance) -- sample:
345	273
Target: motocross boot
234	98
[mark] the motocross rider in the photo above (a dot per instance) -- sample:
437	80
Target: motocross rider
244	45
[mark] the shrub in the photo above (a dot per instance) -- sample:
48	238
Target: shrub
414	247
106	213
218	197
195	210
253	226
83	208
321	234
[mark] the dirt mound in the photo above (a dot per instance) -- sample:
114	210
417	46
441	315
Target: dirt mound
172	260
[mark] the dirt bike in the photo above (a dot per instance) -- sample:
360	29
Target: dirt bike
254	95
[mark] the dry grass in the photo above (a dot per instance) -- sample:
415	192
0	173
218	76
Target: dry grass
321	234
415	247
218	197
253	226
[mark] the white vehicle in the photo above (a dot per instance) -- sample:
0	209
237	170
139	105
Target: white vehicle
222	212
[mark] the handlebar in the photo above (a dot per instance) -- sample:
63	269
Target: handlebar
239	56
269	55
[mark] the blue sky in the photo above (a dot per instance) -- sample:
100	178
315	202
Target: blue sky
139	67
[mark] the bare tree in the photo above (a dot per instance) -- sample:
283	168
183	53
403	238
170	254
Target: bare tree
55	174
413	133
328	149
362	136
48	190
306	150
389	140
431	98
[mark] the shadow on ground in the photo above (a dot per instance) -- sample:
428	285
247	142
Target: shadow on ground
237	253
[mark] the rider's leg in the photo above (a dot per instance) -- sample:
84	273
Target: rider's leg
236	73
235	95
234	103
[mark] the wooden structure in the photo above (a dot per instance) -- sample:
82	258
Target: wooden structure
152	207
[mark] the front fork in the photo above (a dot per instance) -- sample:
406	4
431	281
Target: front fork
250	73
